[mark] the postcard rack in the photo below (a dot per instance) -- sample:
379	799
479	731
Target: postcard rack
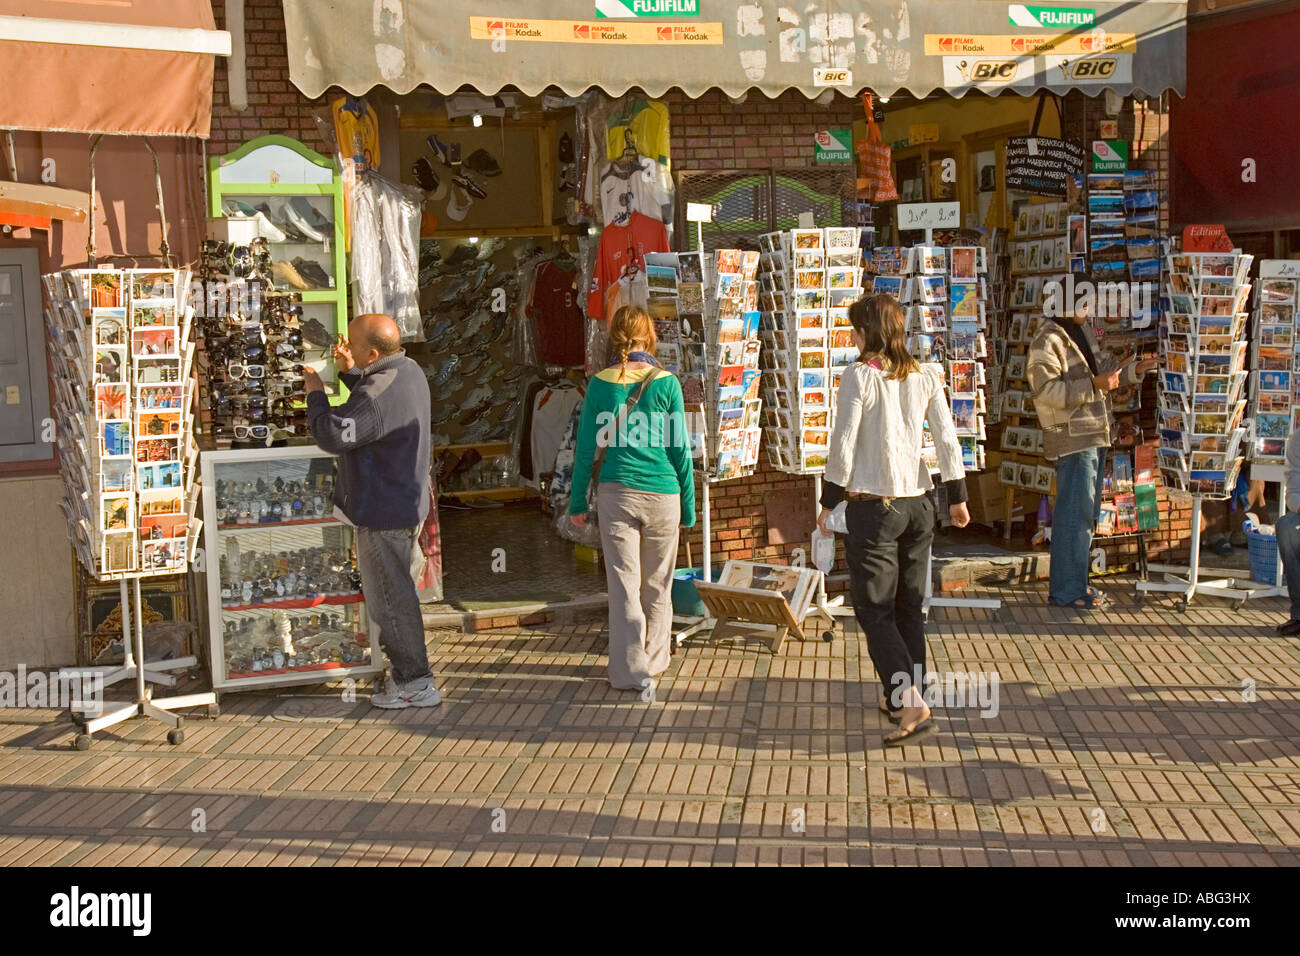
122	360
1202	395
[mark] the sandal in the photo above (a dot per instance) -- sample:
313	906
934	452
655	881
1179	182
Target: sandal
1093	601
892	717
925	727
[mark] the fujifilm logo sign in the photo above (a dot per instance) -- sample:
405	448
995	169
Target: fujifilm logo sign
1067	18
76	909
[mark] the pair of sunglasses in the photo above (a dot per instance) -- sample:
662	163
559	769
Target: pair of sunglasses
238	372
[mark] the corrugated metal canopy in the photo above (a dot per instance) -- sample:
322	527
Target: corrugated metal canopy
143	66
772	45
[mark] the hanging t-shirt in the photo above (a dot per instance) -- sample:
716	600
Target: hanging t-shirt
555	308
621	247
648	122
551	411
641	192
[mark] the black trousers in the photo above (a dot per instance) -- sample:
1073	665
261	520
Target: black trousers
888	550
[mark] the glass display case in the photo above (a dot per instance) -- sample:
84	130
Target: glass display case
277	190
283	589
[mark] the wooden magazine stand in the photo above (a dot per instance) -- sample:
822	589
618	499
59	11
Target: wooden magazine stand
749	612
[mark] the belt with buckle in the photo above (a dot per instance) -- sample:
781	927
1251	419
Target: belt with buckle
864	496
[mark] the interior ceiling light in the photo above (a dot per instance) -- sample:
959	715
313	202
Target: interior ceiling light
478	119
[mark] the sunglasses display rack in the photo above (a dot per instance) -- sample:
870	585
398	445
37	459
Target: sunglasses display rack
122	373
256	345
809	278
1275	410
732	321
283	588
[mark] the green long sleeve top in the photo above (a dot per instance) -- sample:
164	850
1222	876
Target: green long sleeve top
651	452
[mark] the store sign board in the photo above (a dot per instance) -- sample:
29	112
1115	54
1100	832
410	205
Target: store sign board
922	133
1094	41
833	146
1109	156
699	212
630	9
1041	165
1070	18
598	32
987	72
1206	238
1096	69
929	215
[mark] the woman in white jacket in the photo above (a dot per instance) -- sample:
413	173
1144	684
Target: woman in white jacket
884	400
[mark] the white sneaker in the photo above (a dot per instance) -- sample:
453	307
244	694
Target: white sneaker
265	228
395	696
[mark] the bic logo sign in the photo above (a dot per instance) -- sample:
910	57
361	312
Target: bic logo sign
993	70
1090	69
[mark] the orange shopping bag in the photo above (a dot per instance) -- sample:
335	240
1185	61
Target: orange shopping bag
875	180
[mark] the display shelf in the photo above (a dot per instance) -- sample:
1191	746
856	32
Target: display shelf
510	492
269	525
242	636
296	604
464	446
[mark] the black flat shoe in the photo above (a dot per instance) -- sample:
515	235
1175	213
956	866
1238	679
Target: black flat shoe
1289	629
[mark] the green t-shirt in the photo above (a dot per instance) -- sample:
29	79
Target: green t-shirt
651	452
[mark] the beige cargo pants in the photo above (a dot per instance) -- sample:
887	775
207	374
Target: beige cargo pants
638	532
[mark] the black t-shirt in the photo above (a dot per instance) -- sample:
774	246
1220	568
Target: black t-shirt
1075	331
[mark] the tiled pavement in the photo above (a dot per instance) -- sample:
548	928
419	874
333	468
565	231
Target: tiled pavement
1123	739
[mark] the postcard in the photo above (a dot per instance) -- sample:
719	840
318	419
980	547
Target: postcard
810	299
1036	217
807	239
157	449
116	513
813	379
965	299
891	285
117	552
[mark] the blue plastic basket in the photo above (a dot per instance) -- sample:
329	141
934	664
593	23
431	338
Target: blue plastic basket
1263	555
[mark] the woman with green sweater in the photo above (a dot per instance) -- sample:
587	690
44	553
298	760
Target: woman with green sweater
633	418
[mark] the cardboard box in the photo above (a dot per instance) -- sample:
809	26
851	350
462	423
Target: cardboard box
985	497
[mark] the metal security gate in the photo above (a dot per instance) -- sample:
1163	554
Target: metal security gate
749	202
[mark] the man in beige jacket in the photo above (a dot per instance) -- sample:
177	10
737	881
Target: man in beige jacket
1071	383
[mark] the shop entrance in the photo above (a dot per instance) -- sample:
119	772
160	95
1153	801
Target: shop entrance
500	278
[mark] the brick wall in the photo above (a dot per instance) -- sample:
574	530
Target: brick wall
274	104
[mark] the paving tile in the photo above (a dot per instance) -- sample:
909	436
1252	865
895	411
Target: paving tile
1138	738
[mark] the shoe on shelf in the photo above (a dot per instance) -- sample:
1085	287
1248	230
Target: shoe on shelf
286	274
288	212
1290	629
313	273
302	205
316	334
484	163
395	696
236	209
274	216
425	177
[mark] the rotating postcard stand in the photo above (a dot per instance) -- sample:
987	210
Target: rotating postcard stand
121	356
1202	400
110	713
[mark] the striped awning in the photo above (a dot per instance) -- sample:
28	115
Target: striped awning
771	45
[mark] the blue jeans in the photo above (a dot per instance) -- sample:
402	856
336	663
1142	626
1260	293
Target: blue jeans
1078	500
1288	549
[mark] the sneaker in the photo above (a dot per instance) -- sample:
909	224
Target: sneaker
288	212
396	696
316	334
467	183
276	216
449	153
